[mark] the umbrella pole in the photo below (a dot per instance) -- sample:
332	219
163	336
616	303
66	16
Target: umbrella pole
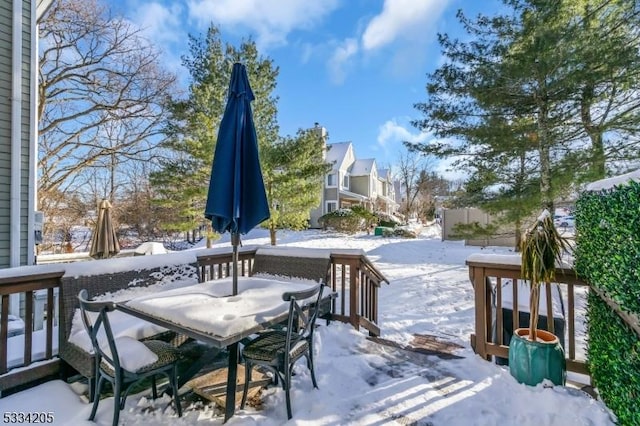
235	241
232	372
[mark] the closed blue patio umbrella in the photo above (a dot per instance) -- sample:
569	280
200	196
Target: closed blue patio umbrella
236	201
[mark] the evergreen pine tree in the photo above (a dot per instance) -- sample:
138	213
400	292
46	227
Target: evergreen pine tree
517	104
183	178
295	180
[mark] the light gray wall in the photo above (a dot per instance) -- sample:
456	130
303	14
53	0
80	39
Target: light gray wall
6	72
451	217
360	185
5	129
331	194
25	129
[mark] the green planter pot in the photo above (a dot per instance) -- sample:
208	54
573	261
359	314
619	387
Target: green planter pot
531	362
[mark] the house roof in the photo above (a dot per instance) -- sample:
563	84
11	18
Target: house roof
363	167
336	154
41	8
384	174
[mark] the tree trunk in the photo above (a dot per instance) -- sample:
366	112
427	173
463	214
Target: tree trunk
546	191
518	231
597	166
272	234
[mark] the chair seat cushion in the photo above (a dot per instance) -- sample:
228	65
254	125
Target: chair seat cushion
269	346
166	354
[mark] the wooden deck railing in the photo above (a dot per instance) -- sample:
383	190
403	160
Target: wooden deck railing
356	280
487	273
216	266
25	286
353	277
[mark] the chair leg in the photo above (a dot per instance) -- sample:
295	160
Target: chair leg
96	376
247	380
117	401
92	388
174	386
286	384
97	390
154	389
312	369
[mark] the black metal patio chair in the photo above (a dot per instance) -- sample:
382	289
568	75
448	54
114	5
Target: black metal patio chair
279	350
121	371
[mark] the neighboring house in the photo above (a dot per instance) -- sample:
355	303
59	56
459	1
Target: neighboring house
353	181
18	128
387	201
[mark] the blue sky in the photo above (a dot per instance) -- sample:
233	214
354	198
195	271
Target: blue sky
354	66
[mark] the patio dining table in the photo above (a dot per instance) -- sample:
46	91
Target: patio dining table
209	313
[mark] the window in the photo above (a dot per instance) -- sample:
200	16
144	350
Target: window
345	181
331	180
331	206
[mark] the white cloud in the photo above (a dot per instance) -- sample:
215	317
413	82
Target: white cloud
340	60
448	170
271	20
160	24
402	19
164	28
393	133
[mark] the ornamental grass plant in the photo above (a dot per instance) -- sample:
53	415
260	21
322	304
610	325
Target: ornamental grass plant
540	248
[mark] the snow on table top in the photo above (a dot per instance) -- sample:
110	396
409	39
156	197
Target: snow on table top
209	307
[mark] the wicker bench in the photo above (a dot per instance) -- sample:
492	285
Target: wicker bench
310	264
73	355
288	262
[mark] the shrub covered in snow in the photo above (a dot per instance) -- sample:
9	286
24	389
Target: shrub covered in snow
343	220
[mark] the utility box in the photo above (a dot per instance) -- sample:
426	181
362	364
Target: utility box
381	229
38	223
40	308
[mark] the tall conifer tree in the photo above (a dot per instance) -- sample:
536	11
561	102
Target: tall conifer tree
518	103
295	180
183	178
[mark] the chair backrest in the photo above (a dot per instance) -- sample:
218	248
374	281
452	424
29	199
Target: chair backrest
302	318
99	330
288	263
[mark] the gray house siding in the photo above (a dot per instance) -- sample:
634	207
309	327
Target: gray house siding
5	129
331	194
25	157
25	131
360	185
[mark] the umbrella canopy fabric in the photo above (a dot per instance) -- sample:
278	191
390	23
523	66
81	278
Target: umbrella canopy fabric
104	242
236	201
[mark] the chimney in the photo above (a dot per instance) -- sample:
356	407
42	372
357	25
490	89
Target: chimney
322	134
321	131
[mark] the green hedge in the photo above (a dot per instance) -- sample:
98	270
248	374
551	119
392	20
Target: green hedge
614	361
608	257
343	220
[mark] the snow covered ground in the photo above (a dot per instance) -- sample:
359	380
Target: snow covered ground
366	383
